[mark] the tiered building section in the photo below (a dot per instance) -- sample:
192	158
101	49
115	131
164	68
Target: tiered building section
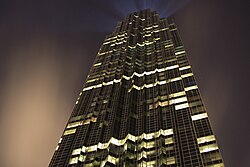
140	105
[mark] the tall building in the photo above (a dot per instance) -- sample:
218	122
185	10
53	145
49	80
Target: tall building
140	105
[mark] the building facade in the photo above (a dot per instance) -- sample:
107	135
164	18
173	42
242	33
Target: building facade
140	105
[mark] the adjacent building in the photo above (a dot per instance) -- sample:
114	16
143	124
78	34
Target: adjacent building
140	104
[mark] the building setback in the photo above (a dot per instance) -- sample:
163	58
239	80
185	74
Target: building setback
140	105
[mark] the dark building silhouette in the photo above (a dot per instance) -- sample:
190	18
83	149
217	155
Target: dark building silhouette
140	105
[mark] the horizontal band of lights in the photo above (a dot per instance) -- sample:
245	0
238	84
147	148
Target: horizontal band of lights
141	74
208	148
168	102
84	122
205	139
169	140
180	52
169	45
103	53
154	84
68	132
161	83
102	84
173	95
191	88
181	106
174	29
97	64
140	87
122	142
199	116
130	137
118	43
187	75
184	68
165	97
144	73
115	161
92	80
114	38
79	123
151	72
137	87
140	155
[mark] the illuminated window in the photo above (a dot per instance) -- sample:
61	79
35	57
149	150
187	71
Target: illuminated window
208	148
178	100
76	118
92	148
191	88
167	132
177	94
169	140
68	132
122	142
170	160
87	121
187	75
73	160
84	149
162	104
148	153
60	140
199	116
170	45
97	64
93	119
205	139
74	124
82	158
76	151
150	144
174	79
115	141
180	52
112	159
151	163
181	106
168	102
172	67
92	80
184	68
57	147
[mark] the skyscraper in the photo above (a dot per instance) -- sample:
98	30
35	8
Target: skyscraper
140	105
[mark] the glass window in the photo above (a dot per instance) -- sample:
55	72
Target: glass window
68	132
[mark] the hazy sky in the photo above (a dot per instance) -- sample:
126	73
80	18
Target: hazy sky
47	48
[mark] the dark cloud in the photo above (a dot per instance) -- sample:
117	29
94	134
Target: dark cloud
47	48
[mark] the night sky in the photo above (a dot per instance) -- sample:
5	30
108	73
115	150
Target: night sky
47	48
